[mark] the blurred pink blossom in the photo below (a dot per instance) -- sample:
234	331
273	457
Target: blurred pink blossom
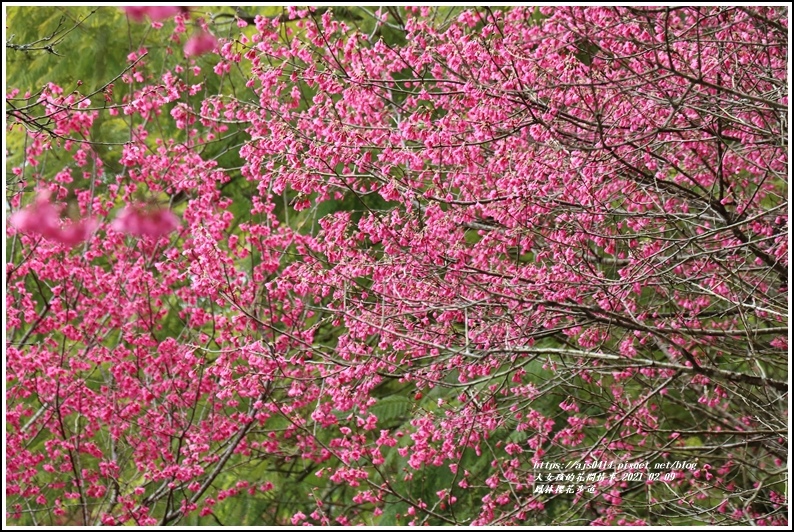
143	221
138	13
43	218
201	43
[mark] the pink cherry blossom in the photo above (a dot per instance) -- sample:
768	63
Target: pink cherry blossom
143	221
464	266
155	13
201	43
40	217
43	218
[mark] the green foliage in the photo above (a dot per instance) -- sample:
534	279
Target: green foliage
392	411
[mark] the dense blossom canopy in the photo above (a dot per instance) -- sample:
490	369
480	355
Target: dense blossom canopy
403	274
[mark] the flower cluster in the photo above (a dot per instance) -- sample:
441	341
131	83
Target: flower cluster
200	43
43	218
417	272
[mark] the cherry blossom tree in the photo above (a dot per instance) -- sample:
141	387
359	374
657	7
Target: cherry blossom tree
406	266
